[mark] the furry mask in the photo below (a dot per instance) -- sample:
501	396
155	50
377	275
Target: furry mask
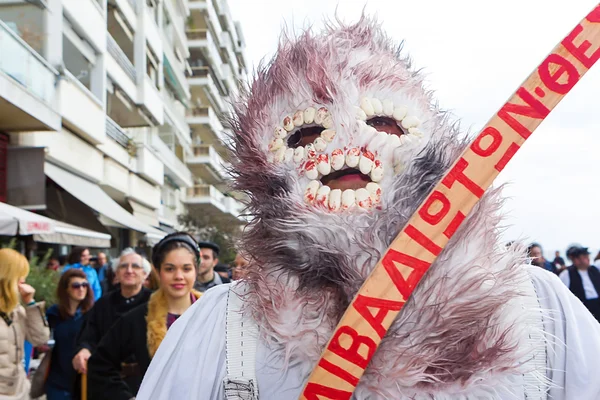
336	143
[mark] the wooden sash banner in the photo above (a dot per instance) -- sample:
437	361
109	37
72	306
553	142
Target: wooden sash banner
412	252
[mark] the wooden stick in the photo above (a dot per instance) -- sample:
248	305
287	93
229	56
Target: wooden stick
84	387
396	275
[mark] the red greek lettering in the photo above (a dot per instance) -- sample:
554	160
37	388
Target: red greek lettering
423	240
362	304
510	152
314	391
404	286
533	109
435	198
339	372
457	174
352	353
580	51
496	137
553	80
454	224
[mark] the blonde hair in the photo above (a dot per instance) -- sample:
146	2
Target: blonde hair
13	267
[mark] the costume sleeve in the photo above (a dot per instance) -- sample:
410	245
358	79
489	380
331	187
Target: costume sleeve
104	366
37	332
89	335
190	362
573	337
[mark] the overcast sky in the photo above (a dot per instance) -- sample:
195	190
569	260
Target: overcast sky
475	54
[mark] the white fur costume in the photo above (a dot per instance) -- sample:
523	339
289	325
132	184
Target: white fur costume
477	325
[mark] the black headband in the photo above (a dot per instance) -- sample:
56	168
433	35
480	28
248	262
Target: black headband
181	237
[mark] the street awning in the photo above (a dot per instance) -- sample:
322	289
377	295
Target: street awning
75	236
97	199
16	221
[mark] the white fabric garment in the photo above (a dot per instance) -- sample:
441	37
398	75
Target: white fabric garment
190	363
588	286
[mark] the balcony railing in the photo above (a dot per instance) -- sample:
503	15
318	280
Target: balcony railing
200	72
25	65
119	55
198	112
114	131
196	34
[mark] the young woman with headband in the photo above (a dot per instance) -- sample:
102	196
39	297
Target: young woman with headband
139	333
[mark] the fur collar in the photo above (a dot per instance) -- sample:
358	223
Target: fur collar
157	319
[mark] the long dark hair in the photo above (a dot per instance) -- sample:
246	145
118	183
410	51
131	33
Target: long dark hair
75	255
63	295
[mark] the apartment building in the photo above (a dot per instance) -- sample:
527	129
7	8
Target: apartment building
105	125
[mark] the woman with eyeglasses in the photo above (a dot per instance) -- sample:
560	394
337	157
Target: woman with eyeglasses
137	334
75	298
17	324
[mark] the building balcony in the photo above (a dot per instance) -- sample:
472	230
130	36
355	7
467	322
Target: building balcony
202	39
27	86
89	18
120	68
202	85
205	123
210	201
173	166
207	164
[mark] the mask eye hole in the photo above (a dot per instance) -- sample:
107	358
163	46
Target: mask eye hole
304	136
387	125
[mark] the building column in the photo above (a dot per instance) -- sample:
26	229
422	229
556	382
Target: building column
53	39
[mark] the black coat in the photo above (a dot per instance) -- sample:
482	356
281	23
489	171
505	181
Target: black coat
124	341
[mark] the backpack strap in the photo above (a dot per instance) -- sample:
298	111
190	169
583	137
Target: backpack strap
241	344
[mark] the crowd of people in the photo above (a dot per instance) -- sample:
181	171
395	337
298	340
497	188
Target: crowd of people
582	277
109	319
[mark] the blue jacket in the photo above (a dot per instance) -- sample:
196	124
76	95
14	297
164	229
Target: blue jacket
61	374
92	278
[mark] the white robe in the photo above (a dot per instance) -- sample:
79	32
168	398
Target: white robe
190	363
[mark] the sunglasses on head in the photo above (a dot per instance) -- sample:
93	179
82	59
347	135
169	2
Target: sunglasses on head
77	285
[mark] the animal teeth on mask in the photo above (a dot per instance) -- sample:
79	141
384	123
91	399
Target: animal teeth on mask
366	162
416	132
377	171
298	118
377	106
360	114
323	196
320	115
367	107
327	122
410	122
311	191
335	199
337	159
310	169
288	123
363	198
323	166
348	199
379	141
298	154
288	156
275	144
309	151
353	157
374	191
388	107
328	135
279	154
393	141
399	113
309	115
280	133
320	144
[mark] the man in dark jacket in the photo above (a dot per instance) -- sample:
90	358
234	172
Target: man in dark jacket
131	269
583	279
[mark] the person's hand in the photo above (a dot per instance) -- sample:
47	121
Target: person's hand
80	361
26	291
